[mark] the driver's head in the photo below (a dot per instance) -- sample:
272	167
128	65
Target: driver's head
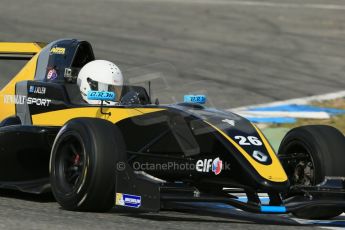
100	75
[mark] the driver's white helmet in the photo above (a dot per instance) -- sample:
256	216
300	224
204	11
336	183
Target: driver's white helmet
100	75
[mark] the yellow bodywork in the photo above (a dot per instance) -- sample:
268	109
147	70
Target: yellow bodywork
60	117
21	47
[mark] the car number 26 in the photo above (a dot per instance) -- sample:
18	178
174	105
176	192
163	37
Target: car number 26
250	140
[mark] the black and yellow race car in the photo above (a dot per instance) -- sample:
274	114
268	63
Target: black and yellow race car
146	155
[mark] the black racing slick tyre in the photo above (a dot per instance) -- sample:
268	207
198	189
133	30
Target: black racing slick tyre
318	151
82	164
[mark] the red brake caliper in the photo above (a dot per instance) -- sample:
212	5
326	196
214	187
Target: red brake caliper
76	159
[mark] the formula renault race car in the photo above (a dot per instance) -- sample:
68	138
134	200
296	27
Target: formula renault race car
146	155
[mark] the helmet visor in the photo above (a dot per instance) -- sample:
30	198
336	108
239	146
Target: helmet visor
117	89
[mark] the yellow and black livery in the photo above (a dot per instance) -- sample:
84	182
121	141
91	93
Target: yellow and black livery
42	112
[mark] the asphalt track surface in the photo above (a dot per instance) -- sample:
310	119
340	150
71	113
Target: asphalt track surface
243	52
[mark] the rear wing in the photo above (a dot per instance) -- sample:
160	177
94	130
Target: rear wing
19	50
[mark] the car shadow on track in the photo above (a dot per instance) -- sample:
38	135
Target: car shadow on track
42	198
176	216
187	213
191	213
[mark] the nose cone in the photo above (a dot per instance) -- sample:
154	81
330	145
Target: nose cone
254	147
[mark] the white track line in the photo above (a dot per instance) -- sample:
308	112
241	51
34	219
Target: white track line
298	101
247	3
332	228
303	114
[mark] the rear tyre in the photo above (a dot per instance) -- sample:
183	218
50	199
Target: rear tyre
82	164
321	152
10	121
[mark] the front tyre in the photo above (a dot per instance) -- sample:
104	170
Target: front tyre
318	151
82	164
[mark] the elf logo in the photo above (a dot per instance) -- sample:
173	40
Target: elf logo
207	165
